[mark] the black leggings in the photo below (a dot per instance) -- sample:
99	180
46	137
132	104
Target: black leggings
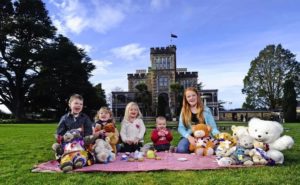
131	148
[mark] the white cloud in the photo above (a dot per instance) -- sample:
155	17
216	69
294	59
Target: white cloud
129	52
76	16
101	67
87	48
4	109
159	4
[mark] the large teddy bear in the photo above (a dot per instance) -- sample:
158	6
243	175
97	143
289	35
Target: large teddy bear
268	132
204	142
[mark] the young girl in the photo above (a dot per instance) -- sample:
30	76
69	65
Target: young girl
132	128
104	117
193	111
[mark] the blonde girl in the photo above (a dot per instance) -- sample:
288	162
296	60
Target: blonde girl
132	128
192	112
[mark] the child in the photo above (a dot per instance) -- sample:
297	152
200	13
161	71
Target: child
104	117
74	120
161	136
192	112
132	128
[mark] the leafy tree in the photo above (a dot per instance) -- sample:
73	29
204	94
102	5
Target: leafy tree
24	30
289	103
66	70
263	83
144	97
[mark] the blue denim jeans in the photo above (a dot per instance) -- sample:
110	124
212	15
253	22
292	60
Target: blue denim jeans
183	146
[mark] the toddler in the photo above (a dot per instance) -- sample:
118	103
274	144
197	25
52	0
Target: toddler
161	136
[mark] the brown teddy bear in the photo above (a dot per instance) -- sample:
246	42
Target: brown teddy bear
204	142
111	135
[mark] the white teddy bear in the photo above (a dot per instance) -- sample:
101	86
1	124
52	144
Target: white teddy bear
269	133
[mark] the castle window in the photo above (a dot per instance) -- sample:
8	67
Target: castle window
163	81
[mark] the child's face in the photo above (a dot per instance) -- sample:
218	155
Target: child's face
76	106
133	112
161	124
191	98
104	115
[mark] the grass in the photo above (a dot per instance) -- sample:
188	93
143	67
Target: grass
24	145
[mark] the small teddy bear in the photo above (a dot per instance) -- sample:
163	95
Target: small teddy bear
258	154
204	142
225	146
241	153
111	135
103	151
237	131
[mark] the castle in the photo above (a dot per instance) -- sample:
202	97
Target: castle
161	74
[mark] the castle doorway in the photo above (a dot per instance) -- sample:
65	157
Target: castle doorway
163	108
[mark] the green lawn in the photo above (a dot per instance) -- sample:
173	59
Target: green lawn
24	145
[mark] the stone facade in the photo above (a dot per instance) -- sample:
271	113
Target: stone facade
161	74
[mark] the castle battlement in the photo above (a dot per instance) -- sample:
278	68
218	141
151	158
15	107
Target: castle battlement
171	49
136	76
187	74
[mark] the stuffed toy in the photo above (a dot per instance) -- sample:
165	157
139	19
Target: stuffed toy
242	149
103	151
112	135
109	133
204	142
225	146
269	133
258	153
237	131
74	155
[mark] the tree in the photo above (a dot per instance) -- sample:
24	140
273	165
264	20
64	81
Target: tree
144	97
263	83
24	30
65	71
289	103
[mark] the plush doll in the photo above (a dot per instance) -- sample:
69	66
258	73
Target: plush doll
269	133
242	149
258	154
74	155
204	142
112	135
225	146
237	131
103	151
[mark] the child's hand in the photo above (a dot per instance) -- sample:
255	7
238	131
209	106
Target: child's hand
192	140
161	133
129	142
136	141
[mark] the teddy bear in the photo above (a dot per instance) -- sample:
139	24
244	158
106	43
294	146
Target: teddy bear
74	154
204	142
103	151
109	133
242	149
258	153
269	133
237	131
225	146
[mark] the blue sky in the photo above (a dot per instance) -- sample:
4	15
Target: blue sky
216	38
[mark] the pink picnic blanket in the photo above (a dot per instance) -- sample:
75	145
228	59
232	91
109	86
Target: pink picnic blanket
169	161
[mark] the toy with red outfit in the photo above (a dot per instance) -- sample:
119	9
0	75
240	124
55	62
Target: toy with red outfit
161	136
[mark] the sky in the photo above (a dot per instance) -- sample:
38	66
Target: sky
216	38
